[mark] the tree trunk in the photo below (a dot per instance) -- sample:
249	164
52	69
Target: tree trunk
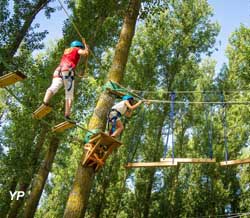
16	204
156	157
19	36
78	198
41	178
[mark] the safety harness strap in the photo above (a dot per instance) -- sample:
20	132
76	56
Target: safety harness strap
112	120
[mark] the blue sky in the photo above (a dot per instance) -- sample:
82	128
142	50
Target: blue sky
229	13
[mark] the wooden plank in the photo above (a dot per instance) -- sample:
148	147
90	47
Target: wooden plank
189	160
234	162
90	152
11	78
63	126
107	140
42	111
94	138
150	164
99	148
109	151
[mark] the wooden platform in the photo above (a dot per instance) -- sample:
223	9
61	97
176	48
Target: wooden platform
234	162
11	78
99	147
151	164
189	160
63	126
41	112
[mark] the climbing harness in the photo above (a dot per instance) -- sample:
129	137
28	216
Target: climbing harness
113	115
70	79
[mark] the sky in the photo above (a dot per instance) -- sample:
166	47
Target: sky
229	13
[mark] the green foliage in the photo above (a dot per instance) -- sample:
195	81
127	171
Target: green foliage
167	54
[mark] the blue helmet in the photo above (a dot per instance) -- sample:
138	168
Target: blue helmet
76	44
127	97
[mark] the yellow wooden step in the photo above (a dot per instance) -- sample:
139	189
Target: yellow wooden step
63	126
11	78
151	164
234	162
42	111
189	160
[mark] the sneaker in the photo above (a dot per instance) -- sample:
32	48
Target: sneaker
67	117
46	104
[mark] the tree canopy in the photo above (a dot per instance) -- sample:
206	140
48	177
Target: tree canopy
155	50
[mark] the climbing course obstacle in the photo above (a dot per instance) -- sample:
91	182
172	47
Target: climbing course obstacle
11	78
98	148
63	126
42	111
234	162
189	160
151	164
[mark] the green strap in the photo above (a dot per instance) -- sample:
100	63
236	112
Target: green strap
90	134
114	86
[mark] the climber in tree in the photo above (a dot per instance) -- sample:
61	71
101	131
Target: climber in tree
124	107
64	74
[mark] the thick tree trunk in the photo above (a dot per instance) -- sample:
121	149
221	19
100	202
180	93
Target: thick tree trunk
23	185
41	178
16	204
78	198
19	36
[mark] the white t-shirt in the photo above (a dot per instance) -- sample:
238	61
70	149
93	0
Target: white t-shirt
121	107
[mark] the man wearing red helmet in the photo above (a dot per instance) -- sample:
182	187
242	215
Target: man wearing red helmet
64	74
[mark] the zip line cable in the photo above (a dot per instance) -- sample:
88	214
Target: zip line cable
198	102
192	91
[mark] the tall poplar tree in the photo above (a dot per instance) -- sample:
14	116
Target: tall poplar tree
78	198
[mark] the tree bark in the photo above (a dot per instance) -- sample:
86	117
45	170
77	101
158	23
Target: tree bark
78	197
41	178
23	185
16	204
150	178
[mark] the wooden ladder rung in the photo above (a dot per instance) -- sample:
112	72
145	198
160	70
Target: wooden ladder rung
11	78
99	147
234	162
90	148
94	138
42	111
151	164
63	126
189	160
